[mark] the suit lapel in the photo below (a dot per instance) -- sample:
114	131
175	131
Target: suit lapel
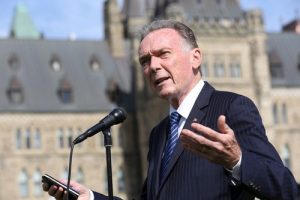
158	148
196	115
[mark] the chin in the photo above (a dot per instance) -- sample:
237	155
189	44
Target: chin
165	94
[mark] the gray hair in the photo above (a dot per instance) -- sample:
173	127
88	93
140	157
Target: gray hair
184	31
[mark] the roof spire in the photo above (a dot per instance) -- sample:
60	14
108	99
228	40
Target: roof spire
22	25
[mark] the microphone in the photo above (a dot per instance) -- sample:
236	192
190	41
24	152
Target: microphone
116	116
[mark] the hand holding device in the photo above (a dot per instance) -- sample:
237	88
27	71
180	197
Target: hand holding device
46	178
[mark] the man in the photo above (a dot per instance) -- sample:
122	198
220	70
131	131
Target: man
222	151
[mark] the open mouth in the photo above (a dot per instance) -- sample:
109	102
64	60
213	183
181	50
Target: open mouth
160	80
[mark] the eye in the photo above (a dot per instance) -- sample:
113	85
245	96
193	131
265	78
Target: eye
164	54
144	62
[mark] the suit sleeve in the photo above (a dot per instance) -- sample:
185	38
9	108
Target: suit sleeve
98	196
262	171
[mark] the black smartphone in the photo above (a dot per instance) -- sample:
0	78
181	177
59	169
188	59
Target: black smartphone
46	178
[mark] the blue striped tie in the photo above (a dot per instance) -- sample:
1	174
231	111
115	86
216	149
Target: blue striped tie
171	143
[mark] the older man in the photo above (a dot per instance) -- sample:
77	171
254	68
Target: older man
213	143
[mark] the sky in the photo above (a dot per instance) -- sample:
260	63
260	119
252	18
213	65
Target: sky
58	19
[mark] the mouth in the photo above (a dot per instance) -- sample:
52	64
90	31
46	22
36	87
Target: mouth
160	80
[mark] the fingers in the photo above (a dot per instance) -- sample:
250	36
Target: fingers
219	146
191	139
59	193
207	132
45	187
54	191
222	126
198	143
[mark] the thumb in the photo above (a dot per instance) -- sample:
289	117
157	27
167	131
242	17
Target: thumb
222	126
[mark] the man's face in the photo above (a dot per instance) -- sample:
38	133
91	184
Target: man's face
169	64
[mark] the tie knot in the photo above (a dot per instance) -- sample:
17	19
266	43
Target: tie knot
174	118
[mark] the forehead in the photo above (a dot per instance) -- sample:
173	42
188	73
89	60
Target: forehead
161	38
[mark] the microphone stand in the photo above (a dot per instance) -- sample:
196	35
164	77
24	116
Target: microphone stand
108	144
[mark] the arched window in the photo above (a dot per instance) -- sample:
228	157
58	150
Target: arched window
15	91
219	68
18	138
70	137
65	91
235	67
37	189
276	67
235	70
275	114
60	138
13	62
95	63
284	114
23	183
28	138
37	138
55	63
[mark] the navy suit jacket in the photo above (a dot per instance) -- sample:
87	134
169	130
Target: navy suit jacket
191	177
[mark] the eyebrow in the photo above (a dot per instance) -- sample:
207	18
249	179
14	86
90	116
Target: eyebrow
144	57
154	52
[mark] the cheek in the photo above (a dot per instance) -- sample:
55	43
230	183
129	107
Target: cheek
182	72
146	72
147	75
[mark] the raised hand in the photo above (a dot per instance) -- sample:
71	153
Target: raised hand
218	147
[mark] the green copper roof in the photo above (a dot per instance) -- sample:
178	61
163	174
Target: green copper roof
22	25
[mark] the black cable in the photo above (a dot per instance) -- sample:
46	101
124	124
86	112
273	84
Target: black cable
69	170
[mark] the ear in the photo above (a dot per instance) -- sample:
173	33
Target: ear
196	57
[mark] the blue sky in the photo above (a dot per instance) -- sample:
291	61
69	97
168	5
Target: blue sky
60	18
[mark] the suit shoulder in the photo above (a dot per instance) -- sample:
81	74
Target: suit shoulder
229	95
224	96
220	93
230	98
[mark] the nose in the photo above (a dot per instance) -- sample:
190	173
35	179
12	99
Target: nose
154	64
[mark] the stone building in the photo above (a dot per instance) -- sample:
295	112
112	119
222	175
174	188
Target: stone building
53	90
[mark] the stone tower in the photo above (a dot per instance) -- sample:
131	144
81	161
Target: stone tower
114	30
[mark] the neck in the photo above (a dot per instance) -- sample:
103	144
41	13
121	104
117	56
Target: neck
176	100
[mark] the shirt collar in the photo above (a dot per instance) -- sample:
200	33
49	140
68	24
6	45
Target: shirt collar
187	104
